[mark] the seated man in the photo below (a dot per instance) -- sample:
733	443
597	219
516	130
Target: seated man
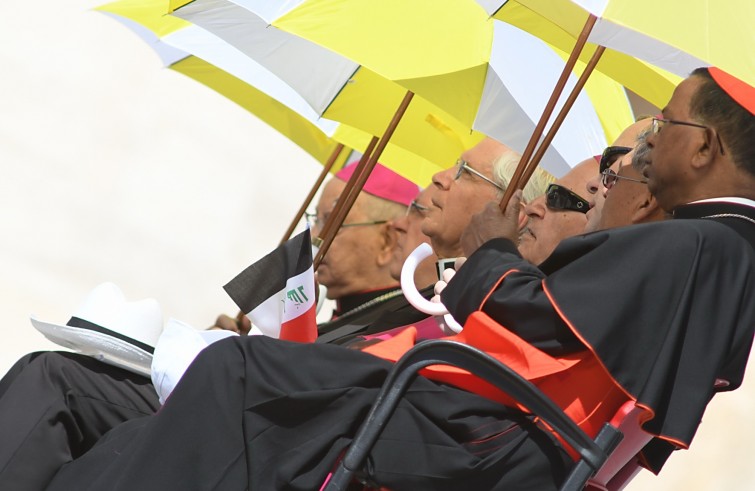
552	216
408	237
631	203
357	268
624	196
479	177
650	287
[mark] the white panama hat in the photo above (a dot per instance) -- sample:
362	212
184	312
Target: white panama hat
109	328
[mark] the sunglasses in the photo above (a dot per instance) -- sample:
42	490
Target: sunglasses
611	155
560	198
658	124
464	166
609	179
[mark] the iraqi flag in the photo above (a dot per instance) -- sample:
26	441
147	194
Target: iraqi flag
278	292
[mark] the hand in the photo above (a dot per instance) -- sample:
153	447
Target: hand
447	275
240	324
447	323
491	223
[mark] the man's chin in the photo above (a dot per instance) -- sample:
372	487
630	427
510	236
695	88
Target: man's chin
430	229
526	235
593	221
524	250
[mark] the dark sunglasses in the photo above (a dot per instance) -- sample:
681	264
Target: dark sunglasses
561	198
611	155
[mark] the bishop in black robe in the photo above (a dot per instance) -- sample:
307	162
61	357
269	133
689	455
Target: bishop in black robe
667	307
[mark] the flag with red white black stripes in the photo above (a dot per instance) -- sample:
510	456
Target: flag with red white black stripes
278	292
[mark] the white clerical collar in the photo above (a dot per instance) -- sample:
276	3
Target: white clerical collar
728	199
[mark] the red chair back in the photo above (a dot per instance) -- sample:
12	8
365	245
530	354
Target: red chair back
623	463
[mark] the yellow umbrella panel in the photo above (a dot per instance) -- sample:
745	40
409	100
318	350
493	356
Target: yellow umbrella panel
482	89
293	118
671	38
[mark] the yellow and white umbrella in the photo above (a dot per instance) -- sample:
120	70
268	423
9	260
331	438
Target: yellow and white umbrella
202	56
492	96
674	35
624	38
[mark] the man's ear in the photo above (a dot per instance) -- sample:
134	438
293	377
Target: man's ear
647	209
388	241
707	148
522	217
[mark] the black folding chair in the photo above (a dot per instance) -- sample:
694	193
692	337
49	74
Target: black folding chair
593	452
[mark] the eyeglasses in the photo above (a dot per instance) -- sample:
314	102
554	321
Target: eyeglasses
610	178
314	222
464	166
658	123
417	208
611	155
561	198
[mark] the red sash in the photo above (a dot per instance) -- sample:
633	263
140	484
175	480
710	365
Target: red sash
577	382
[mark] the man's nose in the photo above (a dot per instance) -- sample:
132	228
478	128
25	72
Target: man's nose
593	185
536	208
443	179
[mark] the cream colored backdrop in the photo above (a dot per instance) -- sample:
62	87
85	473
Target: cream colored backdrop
114	169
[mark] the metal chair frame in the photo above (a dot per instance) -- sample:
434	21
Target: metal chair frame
593	452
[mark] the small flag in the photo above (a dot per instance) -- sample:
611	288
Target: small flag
278	292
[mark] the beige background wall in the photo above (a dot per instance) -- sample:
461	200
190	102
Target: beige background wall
114	169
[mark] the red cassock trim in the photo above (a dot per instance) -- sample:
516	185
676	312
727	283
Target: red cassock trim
578	383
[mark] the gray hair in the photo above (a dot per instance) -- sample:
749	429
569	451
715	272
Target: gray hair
641	151
505	166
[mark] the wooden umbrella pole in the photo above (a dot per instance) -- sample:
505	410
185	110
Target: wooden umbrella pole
533	163
339	214
343	198
325	170
557	90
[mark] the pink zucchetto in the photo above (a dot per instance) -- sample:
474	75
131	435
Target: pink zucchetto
384	183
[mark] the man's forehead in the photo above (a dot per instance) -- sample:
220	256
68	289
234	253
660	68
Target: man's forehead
478	164
330	194
624	165
576	179
678	106
628	137
481	156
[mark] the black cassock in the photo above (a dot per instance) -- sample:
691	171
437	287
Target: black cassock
666	306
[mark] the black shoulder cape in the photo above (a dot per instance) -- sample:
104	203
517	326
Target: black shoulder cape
667	307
